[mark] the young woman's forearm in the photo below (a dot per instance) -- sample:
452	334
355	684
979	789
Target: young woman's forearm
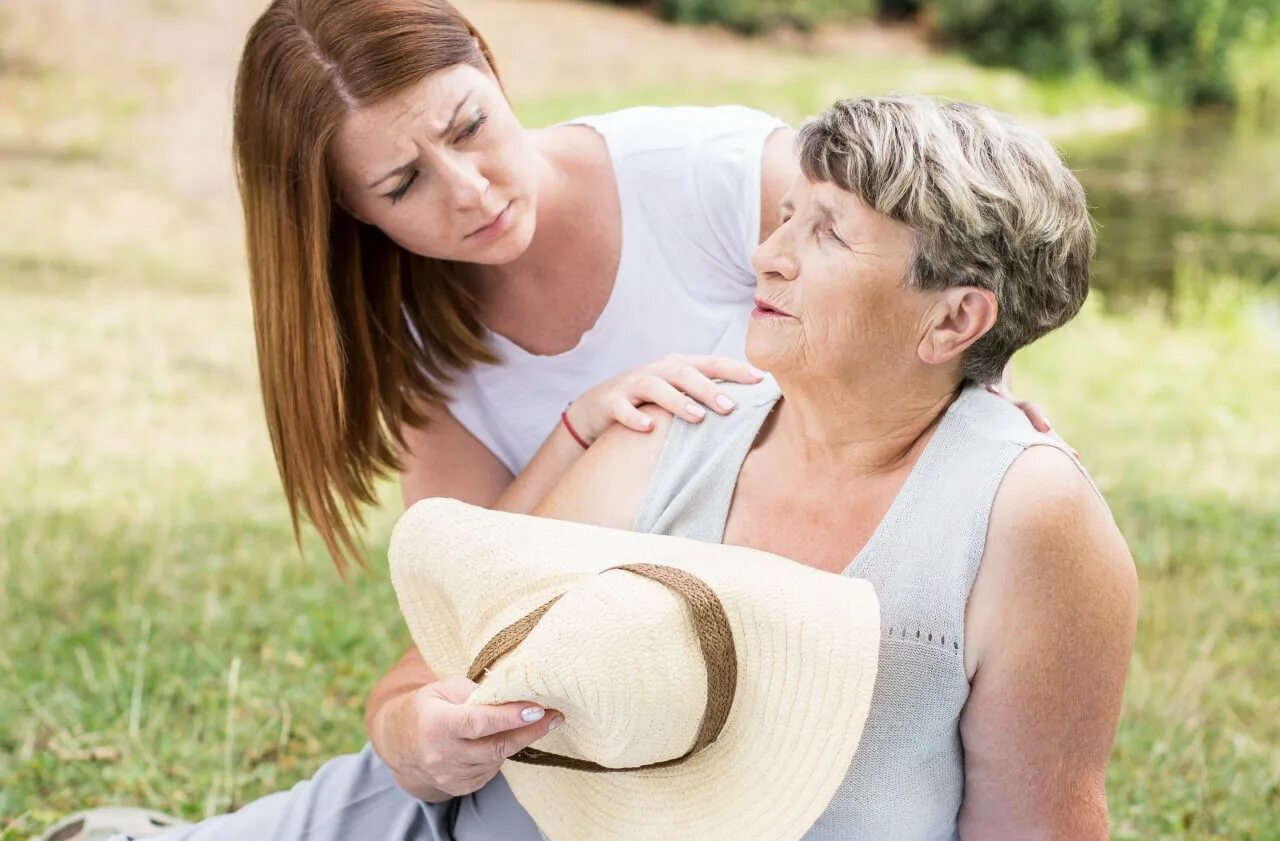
553	459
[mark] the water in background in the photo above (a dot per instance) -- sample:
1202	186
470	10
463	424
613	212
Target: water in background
1185	201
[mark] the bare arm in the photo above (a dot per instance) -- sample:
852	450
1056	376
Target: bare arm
444	459
606	486
1050	627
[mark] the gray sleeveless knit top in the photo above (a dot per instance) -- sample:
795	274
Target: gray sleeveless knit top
907	778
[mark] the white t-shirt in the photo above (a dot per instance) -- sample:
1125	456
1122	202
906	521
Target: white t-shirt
689	186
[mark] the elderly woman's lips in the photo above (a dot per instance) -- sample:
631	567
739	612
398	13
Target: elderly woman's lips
764	310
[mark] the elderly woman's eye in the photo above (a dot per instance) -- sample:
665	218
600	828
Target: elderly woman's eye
831	233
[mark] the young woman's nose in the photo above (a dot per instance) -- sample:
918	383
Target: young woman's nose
465	183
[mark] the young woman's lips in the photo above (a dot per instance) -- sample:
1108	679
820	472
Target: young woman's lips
764	310
494	228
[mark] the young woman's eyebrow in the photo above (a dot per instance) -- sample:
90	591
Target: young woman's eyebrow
405	167
400	170
453	118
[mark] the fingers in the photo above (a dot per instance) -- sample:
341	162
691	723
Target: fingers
660	391
1039	420
497	748
625	413
456	747
724	368
479	721
477	761
697	385
695	377
455	689
1034	414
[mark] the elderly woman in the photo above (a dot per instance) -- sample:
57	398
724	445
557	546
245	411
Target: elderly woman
921	246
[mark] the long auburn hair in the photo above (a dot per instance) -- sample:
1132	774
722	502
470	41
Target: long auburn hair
355	335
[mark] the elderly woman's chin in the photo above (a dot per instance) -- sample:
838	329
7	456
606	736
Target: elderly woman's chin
772	343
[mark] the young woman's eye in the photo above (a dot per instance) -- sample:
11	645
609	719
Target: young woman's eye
398	193
473	127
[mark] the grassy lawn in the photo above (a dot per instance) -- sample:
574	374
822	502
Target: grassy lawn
164	645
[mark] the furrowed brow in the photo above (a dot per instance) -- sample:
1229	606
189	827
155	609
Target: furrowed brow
400	170
453	118
407	166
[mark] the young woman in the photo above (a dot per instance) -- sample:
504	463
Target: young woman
433	284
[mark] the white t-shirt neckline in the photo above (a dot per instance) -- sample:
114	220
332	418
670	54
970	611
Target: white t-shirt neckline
508	349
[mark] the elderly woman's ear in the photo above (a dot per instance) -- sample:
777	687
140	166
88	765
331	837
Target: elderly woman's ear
958	317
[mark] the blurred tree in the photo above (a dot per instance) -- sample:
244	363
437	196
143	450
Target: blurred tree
754	16
1184	51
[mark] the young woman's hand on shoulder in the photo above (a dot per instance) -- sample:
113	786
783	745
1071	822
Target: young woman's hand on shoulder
685	386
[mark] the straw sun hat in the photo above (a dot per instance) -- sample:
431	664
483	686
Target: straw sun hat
708	691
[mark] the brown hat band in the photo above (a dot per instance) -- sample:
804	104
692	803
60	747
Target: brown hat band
715	638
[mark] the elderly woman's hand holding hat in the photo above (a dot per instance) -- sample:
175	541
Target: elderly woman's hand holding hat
464	744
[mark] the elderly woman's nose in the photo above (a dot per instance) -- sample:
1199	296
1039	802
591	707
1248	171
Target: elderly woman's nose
773	257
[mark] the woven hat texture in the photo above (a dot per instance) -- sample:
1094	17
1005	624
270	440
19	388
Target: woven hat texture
622	656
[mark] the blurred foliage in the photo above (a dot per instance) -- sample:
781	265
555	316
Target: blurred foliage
753	16
1183	51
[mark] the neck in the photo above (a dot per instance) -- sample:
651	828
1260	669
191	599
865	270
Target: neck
855	432
557	206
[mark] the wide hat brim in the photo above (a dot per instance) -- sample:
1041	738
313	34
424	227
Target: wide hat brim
806	641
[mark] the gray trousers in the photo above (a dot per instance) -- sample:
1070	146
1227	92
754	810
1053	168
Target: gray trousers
354	797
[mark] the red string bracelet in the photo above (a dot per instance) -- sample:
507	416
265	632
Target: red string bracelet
564	418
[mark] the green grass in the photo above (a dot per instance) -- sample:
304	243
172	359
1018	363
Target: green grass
1177	425
164	645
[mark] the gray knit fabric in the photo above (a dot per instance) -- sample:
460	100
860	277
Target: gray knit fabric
907	778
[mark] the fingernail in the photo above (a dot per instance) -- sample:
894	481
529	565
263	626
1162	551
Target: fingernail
1047	425
696	410
532	714
555	722
755	372
646	422
724	403
1076	454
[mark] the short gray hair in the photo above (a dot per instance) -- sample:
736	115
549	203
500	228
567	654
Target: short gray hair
990	202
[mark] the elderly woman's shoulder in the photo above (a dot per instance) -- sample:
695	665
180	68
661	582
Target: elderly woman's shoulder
1051	532
1046	476
1056	575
